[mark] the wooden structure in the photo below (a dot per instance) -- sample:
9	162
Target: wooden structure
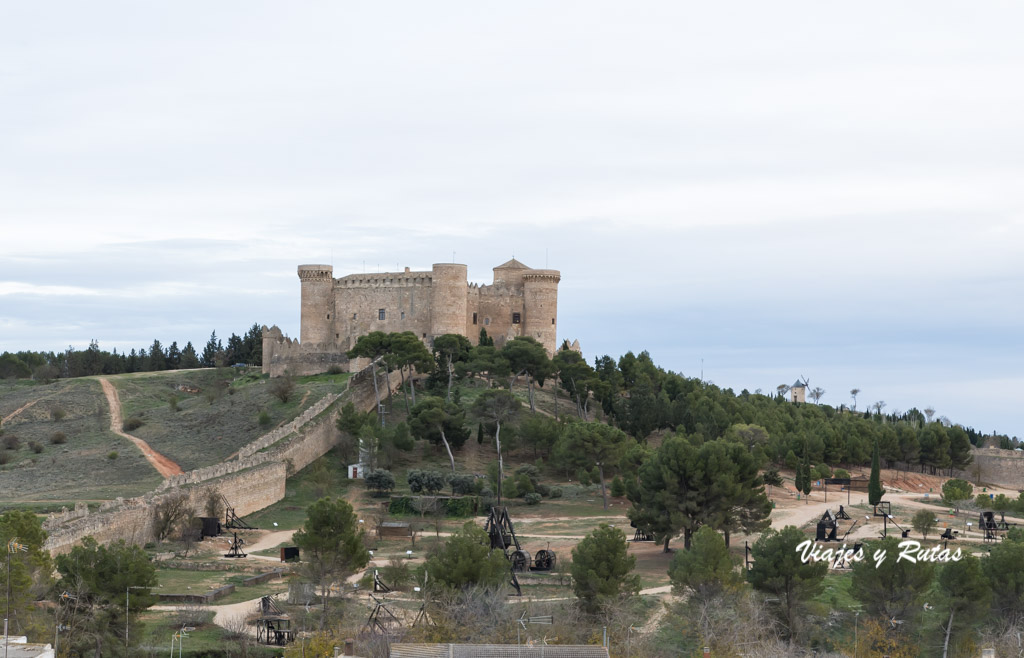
211	526
289	553
236	547
378	584
381	620
273	626
394	529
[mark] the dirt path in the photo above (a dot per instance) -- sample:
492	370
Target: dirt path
226	615
19	410
163	465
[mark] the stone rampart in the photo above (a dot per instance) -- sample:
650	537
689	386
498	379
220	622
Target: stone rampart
249	483
996	466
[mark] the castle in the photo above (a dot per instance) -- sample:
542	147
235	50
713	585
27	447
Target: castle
521	301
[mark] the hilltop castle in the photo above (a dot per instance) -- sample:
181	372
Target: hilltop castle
521	301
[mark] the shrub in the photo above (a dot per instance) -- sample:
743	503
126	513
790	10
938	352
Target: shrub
556	492
57	413
58	438
543	490
531	471
823	471
462	484
112	455
508	488
282	387
841	473
426	481
5	458
584	477
618	487
523	484
264	419
532	498
335	369
380	481
12	442
132	423
35	447
396	573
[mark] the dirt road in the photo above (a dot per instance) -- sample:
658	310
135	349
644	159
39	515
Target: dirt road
163	465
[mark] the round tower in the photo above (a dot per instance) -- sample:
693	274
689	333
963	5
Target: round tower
317	316
540	292
449	299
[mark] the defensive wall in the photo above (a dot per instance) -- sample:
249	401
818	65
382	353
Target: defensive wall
996	466
251	482
521	301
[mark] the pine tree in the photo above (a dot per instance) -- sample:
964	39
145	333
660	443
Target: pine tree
210	351
875	490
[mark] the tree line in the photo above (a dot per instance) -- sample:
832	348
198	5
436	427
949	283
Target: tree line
47	366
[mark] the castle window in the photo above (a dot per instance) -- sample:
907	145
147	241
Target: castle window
354	316
552	320
328	316
337	336
380	314
487	321
515	318
403	315
474	318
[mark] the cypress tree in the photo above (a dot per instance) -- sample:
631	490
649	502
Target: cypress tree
806	468
875	490
480	434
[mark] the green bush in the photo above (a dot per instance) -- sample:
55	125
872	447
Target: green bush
462	484
618	487
35	447
264	419
508	488
524	485
58	438
132	423
4	458
584	477
57	413
112	455
461	507
12	442
841	473
556	492
533	498
457	507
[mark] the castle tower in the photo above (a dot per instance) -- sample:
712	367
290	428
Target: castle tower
449	299
540	290
317	313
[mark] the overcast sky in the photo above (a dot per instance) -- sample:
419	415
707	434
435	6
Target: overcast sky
777	189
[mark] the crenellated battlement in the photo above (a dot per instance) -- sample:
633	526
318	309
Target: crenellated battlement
520	301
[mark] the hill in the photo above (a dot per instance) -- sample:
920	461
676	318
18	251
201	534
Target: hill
59	447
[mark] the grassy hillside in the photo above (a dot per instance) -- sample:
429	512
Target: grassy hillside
207	427
204	428
81	467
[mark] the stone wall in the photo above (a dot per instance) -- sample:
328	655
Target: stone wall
995	466
282	354
427	303
249	483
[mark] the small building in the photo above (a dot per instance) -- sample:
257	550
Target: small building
356	471
798	391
